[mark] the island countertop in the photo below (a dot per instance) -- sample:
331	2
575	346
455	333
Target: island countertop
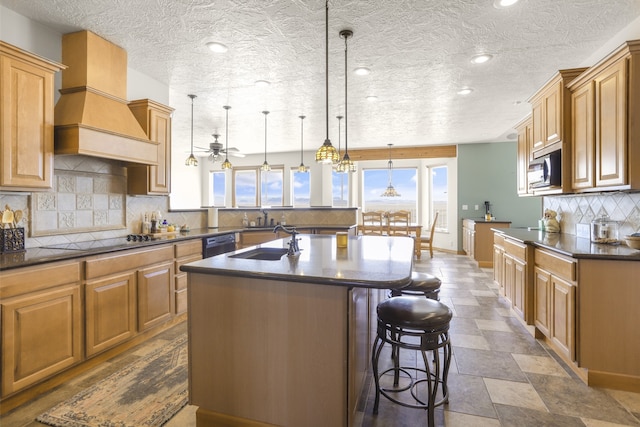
368	261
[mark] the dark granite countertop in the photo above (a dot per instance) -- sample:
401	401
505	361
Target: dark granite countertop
482	219
368	261
65	251
570	245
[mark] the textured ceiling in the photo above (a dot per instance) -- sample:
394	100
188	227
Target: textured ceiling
418	51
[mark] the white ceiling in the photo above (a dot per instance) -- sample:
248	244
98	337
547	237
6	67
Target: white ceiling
418	51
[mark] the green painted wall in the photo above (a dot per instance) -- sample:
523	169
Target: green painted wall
488	172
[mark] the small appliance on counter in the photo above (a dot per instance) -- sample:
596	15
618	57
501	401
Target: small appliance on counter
604	230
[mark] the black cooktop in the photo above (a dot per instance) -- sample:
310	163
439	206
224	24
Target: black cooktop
101	243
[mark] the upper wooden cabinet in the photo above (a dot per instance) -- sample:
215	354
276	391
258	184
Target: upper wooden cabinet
551	112
26	119
524	129
606	113
155	119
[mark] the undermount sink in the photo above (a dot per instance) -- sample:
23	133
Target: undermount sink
262	254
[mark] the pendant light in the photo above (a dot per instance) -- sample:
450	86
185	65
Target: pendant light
191	160
346	164
226	164
327	153
265	166
302	167
390	191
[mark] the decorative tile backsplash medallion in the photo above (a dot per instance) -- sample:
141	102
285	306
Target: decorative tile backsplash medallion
582	209
80	202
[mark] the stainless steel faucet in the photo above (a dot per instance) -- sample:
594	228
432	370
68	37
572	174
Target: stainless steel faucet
294	249
266	214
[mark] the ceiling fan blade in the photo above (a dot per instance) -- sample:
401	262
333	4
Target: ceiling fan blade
236	154
201	148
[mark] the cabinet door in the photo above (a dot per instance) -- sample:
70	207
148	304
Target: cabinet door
41	335
498	267
155	295
583	131
524	151
26	123
155	120
611	107
563	313
552	110
509	276
519	287
537	130
110	311
542	300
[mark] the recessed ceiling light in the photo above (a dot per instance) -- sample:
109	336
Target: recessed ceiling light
217	47
262	83
372	98
481	58
362	71
501	4
465	91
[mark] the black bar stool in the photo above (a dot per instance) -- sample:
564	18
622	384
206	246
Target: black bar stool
421	324
421	284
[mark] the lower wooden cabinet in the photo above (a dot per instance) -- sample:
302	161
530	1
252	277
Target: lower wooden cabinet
498	262
110	311
555	301
518	278
155	295
42	334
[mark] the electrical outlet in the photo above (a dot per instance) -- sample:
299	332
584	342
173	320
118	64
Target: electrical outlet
465	207
476	207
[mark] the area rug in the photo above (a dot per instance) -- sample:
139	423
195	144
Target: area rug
147	392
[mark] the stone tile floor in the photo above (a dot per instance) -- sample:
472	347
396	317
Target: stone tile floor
500	375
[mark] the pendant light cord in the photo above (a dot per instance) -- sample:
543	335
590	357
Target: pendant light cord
326	57
346	135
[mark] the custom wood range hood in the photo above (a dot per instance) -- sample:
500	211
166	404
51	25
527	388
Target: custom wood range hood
92	116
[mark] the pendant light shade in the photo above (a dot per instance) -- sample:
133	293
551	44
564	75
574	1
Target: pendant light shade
390	191
346	164
302	167
327	153
191	160
265	166
226	164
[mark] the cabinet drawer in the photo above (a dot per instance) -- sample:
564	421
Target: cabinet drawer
191	247
498	239
180	281
560	266
29	279
517	249
181	301
181	262
127	260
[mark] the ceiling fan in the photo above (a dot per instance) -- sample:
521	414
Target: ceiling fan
216	149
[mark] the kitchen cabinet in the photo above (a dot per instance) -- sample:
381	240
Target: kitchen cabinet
605	100
551	113
155	120
555	300
524	155
518	278
185	253
478	239
26	119
136	288
42	330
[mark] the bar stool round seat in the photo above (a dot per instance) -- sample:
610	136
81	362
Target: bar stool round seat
419	324
422	284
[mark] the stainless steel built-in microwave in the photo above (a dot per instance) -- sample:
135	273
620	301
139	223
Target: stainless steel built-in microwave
545	171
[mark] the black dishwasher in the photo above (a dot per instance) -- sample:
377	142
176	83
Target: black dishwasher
217	245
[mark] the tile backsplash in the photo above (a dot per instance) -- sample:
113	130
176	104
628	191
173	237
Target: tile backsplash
582	209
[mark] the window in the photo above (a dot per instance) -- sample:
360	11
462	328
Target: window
404	180
218	189
271	188
246	191
340	189
300	188
245	187
439	196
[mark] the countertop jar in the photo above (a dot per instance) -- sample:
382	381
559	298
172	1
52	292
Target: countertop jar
604	230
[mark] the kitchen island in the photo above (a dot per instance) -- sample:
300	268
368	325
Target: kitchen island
287	342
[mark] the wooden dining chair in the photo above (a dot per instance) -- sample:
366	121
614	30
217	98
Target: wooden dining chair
372	223
427	242
398	223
